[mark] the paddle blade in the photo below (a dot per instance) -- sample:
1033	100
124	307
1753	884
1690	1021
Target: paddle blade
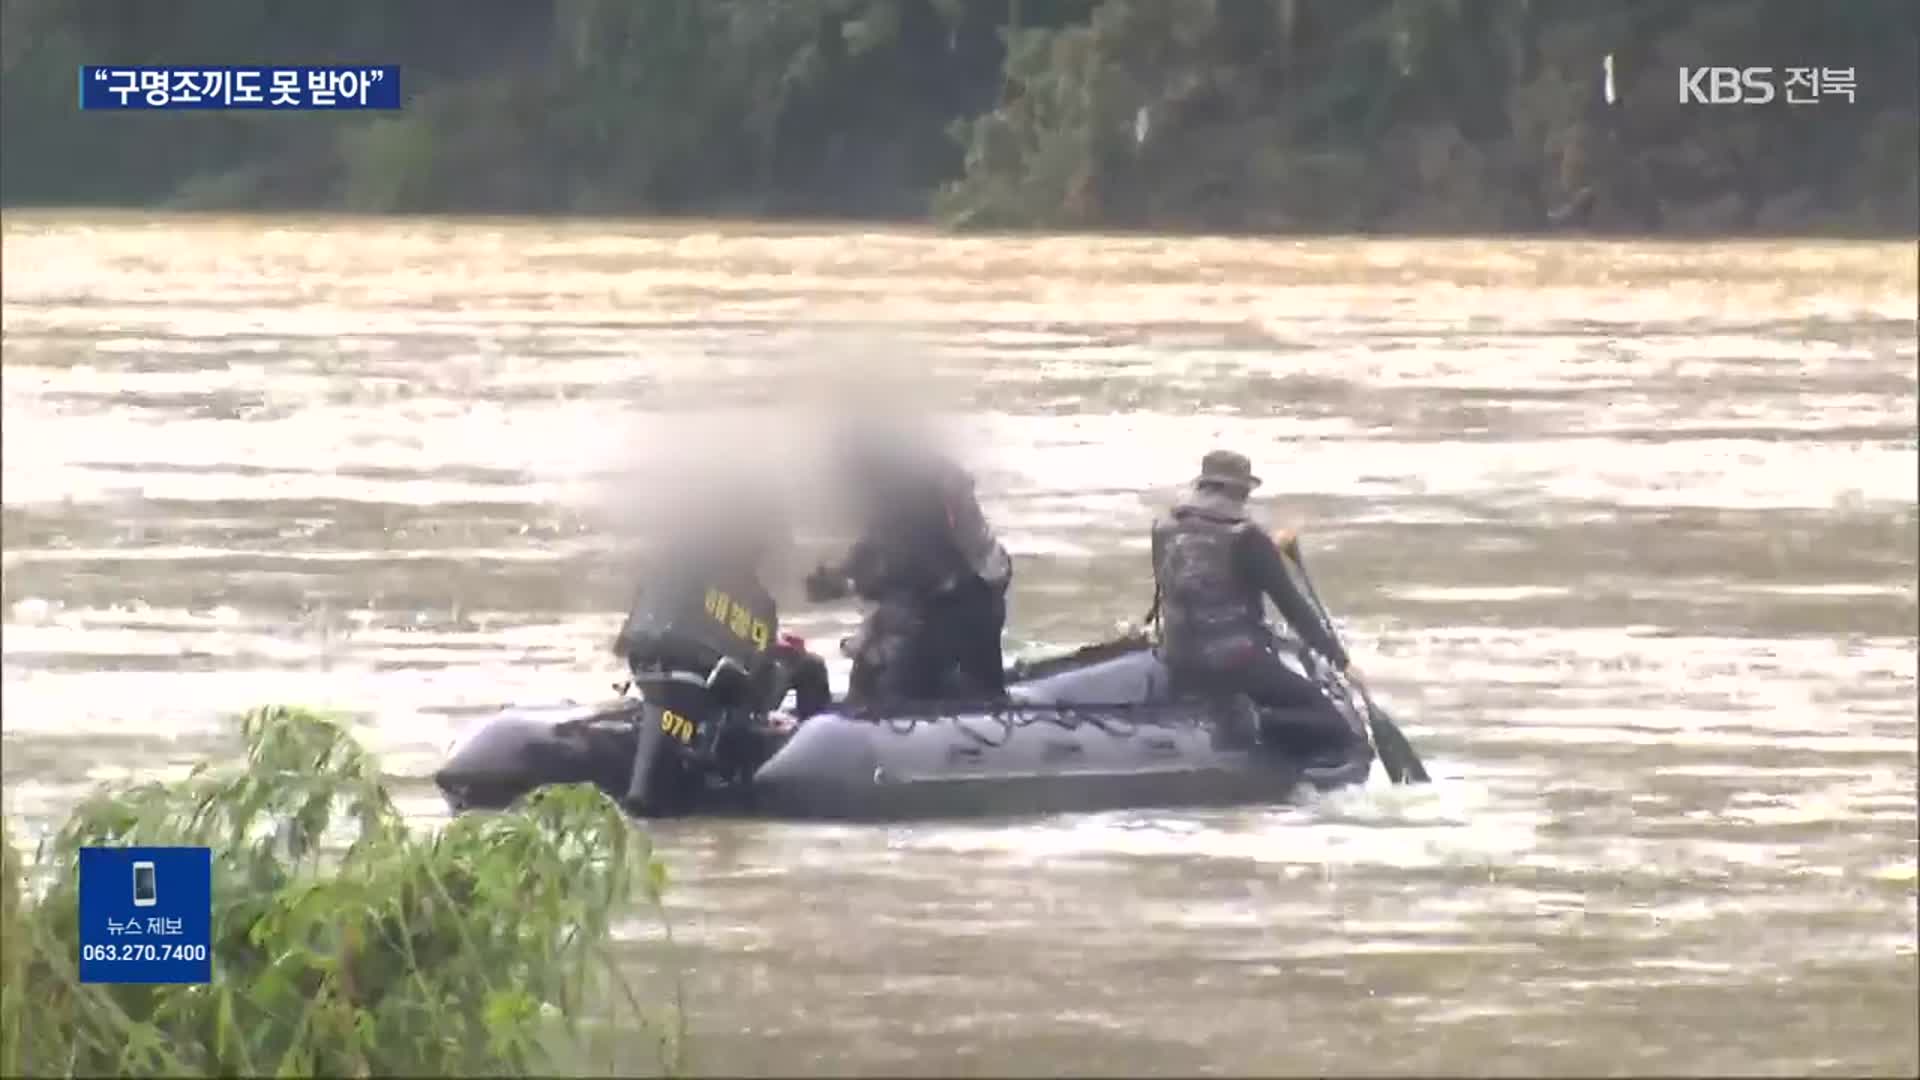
1396	753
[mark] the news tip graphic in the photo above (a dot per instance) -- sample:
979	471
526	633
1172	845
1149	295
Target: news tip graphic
295	89
146	915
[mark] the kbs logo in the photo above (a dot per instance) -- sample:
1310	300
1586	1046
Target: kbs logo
1726	86
1757	85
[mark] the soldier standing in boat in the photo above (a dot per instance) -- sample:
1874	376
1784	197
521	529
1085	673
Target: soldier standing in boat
932	568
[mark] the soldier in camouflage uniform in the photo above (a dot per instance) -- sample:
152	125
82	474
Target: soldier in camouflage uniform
1213	569
934	572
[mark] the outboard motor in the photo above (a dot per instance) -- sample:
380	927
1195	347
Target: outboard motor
698	647
655	750
683	726
691	729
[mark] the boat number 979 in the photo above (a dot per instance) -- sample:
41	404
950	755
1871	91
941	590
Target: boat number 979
676	725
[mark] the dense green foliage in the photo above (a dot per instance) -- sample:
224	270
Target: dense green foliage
1284	115
343	944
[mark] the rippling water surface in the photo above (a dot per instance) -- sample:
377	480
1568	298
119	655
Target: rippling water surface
1626	534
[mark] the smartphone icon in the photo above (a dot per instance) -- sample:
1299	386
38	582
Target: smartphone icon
146	891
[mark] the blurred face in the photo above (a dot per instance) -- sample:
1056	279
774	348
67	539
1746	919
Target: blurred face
1232	491
864	461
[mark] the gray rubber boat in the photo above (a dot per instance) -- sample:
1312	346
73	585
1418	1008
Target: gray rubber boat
1097	731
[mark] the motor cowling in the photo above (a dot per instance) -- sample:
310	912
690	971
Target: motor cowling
679	725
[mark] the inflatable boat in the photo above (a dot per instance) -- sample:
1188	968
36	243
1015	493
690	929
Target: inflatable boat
1096	730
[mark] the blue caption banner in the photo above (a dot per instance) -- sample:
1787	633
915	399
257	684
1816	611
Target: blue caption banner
146	915
292	88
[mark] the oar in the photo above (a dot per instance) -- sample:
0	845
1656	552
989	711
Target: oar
1396	753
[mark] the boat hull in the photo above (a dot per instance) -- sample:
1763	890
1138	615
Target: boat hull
1104	736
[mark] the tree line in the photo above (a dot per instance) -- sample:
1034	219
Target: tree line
1236	115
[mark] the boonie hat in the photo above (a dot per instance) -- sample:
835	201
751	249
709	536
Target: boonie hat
1229	468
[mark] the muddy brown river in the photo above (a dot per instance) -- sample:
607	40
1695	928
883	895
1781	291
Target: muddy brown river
1625	533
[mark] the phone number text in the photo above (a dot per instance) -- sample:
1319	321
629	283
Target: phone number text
142	951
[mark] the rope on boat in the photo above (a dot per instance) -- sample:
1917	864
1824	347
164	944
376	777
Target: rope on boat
1111	718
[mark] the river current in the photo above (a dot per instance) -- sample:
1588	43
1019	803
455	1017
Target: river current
1624	533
